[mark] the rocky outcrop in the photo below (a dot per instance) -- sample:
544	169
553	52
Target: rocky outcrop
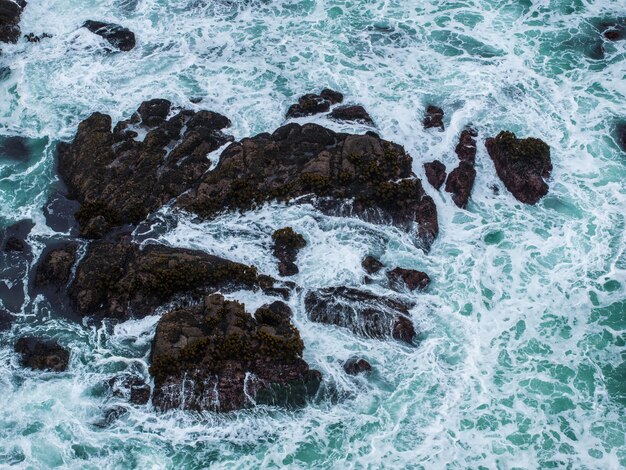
362	312
371	265
311	103
522	165
352	175
400	278
55	266
460	183
355	366
120	280
435	173
10	14
287	244
119	180
216	356
353	113
131	388
433	117
119	37
466	148
42	354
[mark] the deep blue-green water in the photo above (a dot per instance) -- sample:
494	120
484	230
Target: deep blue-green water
521	361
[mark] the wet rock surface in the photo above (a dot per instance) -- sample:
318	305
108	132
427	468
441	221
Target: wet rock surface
521	164
400	278
460	183
286	245
362	312
119	37
118	179
371	265
55	265
132	388
352	175
356	365
10	14
216	356
15	258
6	320
42	354
435	173
312	103
433	117
466	148
354	113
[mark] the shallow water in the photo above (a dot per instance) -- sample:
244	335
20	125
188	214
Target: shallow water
521	361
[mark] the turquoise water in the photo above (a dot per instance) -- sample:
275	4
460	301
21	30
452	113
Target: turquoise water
522	359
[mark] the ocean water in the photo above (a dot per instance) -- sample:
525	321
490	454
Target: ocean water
521	358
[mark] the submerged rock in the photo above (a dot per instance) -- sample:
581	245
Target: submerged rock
216	356
521	164
353	175
362	312
409	278
460	183
287	244
433	117
13	238
31	37
15	148
614	30
10	14
42	354
435	173
118	36
354	113
130	387
119	180
311	103
6	320
356	365
120	280
371	265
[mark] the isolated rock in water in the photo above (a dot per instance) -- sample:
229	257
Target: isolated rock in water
118	36
614	30
31	37
131	388
363	312
216	356
10	13
55	266
314	104
435	173
352	113
287	244
119	180
620	131
412	279
120	280
460	183
433	117
371	265
521	164
351	175
466	148
355	366
42	354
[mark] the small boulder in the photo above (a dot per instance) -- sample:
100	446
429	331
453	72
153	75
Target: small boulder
42	354
355	113
466	148
118	36
154	112
371	265
433	117
356	365
435	173
287	244
312	103
522	165
460	183
412	279
332	96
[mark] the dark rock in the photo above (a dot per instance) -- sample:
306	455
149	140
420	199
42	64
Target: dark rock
15	147
59	212
466	148
131	388
433	117
55	266
352	113
355	366
620	132
521	164
351	175
111	415
614	30
118	180
119	280
118	36
14	237
314	104
332	96
287	244
6	320
460	183
14	265
371	265
215	356
435	173
412	279
10	13
362	312
30	37
14	244
42	354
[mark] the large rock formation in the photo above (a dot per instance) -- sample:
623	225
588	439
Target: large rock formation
118	36
42	354
119	179
10	14
360	175
216	356
362	312
522	165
